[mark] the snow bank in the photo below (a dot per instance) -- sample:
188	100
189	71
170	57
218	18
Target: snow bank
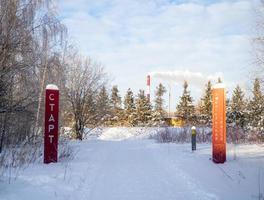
124	133
130	133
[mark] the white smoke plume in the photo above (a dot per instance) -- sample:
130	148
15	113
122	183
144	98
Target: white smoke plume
194	78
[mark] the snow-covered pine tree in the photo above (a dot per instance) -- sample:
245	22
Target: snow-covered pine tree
159	111
256	107
129	109
237	107
115	105
143	109
103	105
206	104
229	119
185	108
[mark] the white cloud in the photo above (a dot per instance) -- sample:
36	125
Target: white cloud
132	38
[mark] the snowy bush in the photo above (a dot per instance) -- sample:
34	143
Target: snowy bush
234	134
182	134
65	151
15	158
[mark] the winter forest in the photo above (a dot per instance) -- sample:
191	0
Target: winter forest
106	135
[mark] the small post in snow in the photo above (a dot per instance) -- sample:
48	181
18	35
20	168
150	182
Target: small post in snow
193	138
219	123
51	124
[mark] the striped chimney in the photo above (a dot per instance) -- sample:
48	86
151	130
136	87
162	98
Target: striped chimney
148	87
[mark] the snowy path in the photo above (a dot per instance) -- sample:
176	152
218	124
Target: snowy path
139	170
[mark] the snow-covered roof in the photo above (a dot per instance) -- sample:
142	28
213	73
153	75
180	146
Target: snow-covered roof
218	86
52	87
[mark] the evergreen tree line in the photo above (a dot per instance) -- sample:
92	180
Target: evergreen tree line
243	112
134	110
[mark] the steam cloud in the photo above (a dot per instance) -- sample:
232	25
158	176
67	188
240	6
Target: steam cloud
194	78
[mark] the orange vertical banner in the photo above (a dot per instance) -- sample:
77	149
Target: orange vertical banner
219	123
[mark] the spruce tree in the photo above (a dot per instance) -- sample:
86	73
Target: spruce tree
206	104
129	109
90	111
237	107
115	98
185	109
256	107
103	105
115	104
159	111
143	109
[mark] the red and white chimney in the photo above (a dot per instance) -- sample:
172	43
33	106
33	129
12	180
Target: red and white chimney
148	87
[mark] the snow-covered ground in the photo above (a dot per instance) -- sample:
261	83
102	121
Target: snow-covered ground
118	168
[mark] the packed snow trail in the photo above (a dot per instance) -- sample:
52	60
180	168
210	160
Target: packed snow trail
132	170
139	170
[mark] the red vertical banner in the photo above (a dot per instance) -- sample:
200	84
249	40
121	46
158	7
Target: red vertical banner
51	124
219	123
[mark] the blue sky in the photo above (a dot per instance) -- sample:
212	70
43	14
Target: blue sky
172	40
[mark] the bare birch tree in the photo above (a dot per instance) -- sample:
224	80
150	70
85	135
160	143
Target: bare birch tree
27	27
84	81
258	42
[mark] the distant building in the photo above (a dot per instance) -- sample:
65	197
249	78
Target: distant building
174	121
